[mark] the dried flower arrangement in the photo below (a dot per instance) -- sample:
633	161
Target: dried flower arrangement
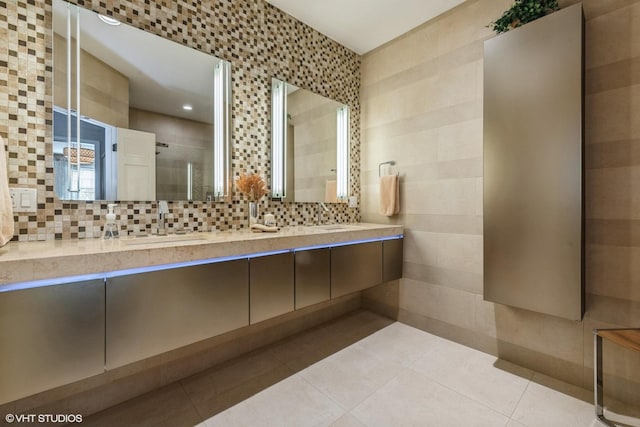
252	185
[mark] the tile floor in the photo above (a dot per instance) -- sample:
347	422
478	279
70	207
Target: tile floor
364	370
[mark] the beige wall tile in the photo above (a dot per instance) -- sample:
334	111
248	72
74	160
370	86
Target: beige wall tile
549	335
438	302
616	232
613	310
461	252
464	168
458	224
613	115
485	317
613	193
616	75
456	279
421	247
434	119
469	23
613	154
400	54
612	37
595	8
444	197
402	149
460	141
614	271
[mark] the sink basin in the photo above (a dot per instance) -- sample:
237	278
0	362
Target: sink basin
330	227
333	227
160	240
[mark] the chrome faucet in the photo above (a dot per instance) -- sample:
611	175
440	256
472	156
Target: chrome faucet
321	206
163	210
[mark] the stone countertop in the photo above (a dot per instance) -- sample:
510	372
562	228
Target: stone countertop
27	261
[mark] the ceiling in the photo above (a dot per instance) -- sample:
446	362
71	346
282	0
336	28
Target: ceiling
363	25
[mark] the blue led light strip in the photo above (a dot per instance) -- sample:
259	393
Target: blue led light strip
351	242
105	275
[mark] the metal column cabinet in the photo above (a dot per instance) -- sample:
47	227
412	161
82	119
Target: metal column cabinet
50	336
392	259
355	267
313	276
154	312
533	166
271	285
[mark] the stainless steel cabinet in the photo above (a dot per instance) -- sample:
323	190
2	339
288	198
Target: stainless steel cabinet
151	313
355	267
392	259
533	166
50	336
272	286
312	277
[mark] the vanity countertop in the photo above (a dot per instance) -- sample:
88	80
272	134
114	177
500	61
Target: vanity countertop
27	261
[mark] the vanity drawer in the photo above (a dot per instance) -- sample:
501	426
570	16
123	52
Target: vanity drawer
151	313
50	336
272	286
313	277
355	267
392	253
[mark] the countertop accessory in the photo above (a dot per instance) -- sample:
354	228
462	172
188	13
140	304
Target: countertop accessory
259	228
110	226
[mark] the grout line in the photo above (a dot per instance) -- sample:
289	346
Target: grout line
520	400
460	393
345	411
193	405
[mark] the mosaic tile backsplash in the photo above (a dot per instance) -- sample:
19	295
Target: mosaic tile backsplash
259	40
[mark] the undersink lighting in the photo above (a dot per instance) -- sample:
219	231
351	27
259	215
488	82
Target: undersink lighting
109	20
187	107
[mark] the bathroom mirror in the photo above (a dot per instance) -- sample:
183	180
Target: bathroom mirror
151	114
310	146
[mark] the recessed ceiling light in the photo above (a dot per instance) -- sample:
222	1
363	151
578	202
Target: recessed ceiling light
109	20
187	107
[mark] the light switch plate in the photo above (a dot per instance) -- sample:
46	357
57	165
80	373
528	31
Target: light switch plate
24	199
353	202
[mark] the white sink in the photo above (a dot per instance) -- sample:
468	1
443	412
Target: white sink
160	240
330	227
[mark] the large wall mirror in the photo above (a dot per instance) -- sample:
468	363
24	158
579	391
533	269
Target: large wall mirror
310	146
136	116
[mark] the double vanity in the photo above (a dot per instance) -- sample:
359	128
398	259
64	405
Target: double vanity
89	306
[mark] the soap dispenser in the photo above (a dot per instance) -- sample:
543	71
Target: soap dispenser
110	225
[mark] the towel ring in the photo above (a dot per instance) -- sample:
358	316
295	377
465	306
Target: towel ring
390	163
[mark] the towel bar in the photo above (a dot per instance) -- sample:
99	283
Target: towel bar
390	163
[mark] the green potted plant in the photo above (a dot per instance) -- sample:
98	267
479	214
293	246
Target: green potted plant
521	12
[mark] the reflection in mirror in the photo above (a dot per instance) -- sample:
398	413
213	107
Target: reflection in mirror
310	146
136	116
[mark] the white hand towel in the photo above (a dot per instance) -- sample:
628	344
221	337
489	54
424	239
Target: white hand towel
389	195
6	211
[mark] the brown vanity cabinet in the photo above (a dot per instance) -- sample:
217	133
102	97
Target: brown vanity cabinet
154	312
